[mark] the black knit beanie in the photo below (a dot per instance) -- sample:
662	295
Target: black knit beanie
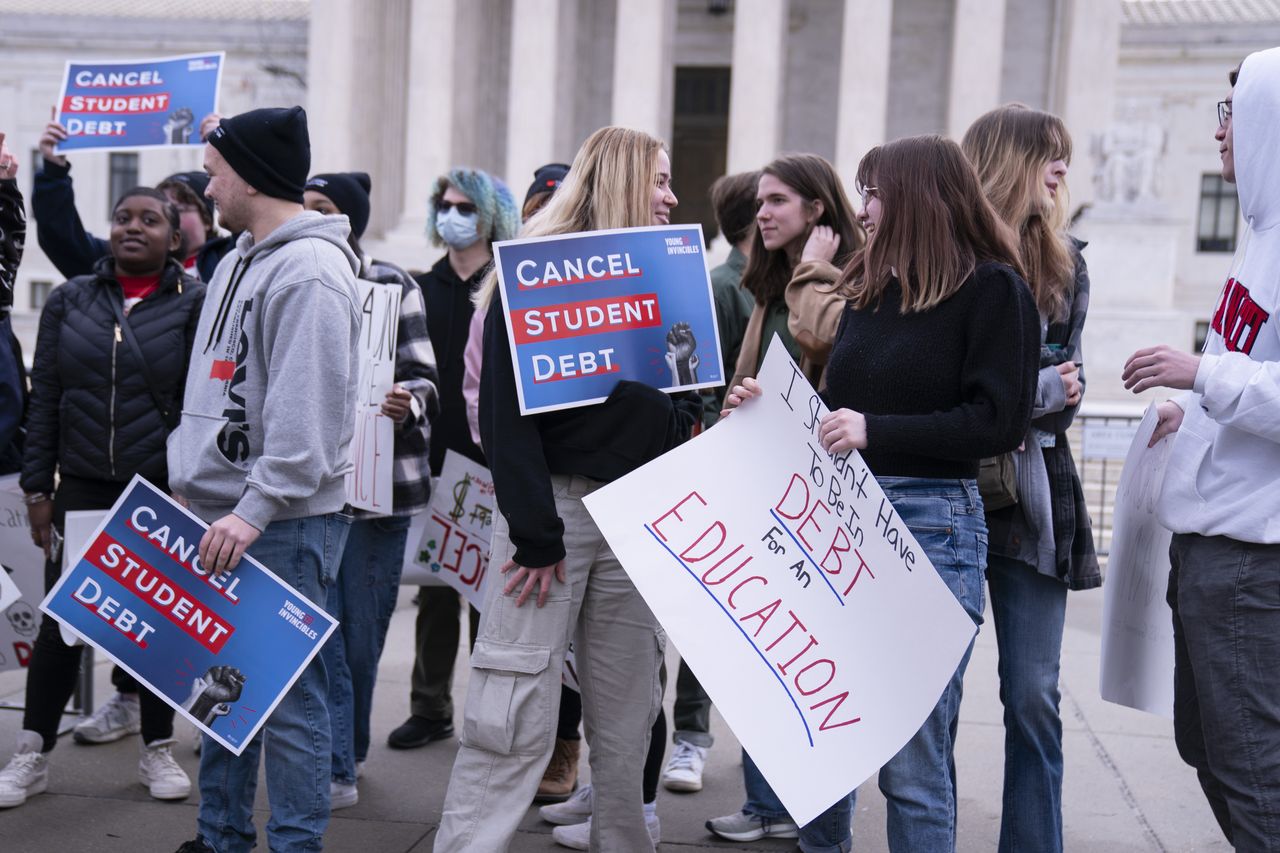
269	148
197	181
546	180
349	192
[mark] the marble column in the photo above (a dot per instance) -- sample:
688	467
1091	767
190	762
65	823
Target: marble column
862	101
643	65
977	53
759	79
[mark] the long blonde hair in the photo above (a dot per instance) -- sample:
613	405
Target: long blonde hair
1010	147
609	185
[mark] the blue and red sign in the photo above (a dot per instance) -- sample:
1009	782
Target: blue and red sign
153	103
587	310
222	650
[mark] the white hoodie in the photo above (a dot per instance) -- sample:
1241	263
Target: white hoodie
1224	471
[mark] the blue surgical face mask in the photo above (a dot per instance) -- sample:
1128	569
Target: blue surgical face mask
457	229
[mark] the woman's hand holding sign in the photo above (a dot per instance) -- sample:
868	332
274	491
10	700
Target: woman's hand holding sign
739	395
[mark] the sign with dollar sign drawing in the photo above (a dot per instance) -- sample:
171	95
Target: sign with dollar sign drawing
454	544
584	311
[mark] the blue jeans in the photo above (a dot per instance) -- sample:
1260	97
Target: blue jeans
303	552
1225	596
1029	611
919	782
362	600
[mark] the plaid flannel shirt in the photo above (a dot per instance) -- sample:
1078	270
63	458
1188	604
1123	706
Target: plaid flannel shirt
416	373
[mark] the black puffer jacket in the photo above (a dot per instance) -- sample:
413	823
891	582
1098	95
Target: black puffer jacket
91	413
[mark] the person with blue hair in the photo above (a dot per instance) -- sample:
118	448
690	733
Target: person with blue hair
468	211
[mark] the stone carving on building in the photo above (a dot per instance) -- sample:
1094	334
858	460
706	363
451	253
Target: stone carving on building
1128	159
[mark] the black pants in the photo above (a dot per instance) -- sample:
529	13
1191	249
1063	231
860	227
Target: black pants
436	634
51	675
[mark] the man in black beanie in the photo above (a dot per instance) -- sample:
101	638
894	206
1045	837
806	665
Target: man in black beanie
263	447
344	192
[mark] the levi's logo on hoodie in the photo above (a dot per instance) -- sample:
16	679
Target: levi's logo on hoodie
1238	318
233	440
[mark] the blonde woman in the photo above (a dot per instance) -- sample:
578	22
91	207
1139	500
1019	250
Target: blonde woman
557	578
1041	545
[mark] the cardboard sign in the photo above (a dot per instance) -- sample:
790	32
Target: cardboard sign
222	651
791	586
369	483
23	570
453	545
584	311
151	103
1137	624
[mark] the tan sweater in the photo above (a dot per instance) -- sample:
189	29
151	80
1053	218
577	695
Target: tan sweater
814	309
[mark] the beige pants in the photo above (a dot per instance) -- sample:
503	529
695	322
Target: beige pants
514	693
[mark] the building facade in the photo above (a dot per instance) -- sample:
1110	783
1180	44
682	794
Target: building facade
406	89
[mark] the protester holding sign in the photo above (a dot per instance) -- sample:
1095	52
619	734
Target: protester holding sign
562	581
74	251
107	380
933	368
805	232
262	451
1219	496
364	595
1041	545
469	210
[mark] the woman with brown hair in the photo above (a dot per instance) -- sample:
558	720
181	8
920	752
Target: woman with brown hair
805	231
933	369
1041	543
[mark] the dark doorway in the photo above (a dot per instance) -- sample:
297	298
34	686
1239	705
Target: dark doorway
700	141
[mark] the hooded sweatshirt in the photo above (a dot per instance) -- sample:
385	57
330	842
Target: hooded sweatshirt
267	414
1225	460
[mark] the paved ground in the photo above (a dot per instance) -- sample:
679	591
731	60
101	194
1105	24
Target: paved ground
1126	789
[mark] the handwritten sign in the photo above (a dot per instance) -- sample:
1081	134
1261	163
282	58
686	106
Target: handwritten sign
150	103
454	543
369	484
140	594
1137	625
584	311
792	588
23	568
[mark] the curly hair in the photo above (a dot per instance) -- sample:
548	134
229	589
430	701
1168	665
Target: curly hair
499	218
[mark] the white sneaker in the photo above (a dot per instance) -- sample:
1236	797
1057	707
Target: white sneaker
360	769
119	716
684	769
576	809
26	774
158	770
578	836
342	796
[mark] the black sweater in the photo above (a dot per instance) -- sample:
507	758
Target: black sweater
605	441
448	302
943	388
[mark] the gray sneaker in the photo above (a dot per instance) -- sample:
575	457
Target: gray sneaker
118	716
749	827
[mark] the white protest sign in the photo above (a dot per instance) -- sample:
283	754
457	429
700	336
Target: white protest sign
372	452
454	543
1137	625
23	568
791	586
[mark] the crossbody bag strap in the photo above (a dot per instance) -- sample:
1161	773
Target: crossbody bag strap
167	411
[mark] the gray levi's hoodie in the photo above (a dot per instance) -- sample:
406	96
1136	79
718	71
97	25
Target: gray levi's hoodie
267	413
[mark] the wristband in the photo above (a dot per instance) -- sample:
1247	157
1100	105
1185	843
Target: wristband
36	497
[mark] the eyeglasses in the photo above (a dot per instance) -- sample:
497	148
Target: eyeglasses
1224	113
869	193
466	208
